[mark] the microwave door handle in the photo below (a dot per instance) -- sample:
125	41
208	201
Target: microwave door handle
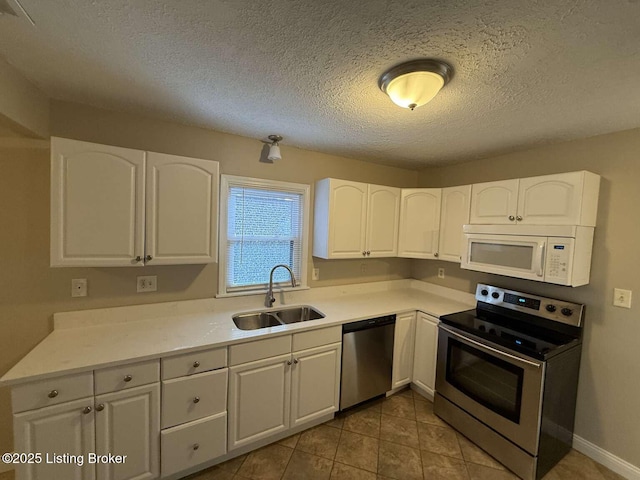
540	259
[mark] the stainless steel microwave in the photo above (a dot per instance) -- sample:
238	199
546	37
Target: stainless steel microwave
553	254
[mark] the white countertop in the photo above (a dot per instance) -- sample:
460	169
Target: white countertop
92	339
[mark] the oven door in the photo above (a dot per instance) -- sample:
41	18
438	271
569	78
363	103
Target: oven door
511	255
498	387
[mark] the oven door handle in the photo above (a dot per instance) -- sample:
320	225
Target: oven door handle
491	349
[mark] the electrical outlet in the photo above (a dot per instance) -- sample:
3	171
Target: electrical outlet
147	283
621	298
315	274
363	268
441	273
79	287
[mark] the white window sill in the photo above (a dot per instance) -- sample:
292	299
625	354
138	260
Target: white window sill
262	292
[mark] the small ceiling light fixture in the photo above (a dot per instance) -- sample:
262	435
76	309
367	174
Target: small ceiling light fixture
274	149
415	83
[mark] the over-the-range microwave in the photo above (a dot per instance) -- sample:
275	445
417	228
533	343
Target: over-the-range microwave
553	254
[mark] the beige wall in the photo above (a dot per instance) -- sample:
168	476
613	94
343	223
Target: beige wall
609	390
30	291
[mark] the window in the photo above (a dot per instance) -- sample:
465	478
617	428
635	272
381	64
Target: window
263	223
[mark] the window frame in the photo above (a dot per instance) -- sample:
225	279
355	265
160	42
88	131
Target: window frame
227	181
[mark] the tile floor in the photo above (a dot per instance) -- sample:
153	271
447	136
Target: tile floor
395	438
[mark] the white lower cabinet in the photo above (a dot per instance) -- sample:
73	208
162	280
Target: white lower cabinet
315	383
67	428
403	347
424	360
193	443
128	423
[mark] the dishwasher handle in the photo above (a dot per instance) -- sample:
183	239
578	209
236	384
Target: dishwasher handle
368	323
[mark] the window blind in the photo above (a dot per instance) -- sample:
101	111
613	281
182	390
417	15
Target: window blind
264	229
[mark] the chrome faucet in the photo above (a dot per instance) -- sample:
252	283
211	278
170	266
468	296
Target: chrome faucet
270	298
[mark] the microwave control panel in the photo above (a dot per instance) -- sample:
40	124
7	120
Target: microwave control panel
558	263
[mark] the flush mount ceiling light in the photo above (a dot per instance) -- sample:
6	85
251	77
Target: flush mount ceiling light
274	149
415	83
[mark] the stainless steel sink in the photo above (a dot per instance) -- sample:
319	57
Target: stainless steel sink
276	317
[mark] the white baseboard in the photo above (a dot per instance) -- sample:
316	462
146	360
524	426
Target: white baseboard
609	460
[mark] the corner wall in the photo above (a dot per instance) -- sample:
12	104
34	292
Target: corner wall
609	390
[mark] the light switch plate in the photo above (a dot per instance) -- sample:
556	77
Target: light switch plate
622	298
148	283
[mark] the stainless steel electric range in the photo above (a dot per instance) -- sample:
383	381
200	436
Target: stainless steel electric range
507	376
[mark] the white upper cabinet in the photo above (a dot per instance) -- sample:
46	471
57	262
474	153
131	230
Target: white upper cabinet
562	199
559	199
182	205
419	223
98	203
494	202
355	220
454	214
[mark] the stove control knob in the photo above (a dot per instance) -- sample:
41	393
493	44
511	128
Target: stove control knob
484	292
566	312
492	331
495	295
551	308
482	328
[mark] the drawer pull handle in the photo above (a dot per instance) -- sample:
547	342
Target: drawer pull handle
128	378
53	394
196	446
196	400
196	364
100	407
87	410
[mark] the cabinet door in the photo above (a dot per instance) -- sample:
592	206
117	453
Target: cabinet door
419	223
456	202
383	217
97	205
551	199
259	399
67	428
403	347
494	202
181	210
347	219
424	360
128	423
315	383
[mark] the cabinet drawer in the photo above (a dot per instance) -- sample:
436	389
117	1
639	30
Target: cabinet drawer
317	338
194	362
51	391
194	443
132	375
197	396
259	349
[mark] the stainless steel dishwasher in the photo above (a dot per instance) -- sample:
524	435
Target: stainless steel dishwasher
367	359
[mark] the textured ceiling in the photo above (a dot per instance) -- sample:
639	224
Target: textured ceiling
527	72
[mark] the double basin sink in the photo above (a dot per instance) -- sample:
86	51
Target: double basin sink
276	317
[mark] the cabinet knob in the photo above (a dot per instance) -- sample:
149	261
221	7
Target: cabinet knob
288	362
148	258
138	258
196	364
87	410
436	254
128	378
368	252
512	218
519	218
364	254
53	394
196	446
295	360
196	399
100	407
